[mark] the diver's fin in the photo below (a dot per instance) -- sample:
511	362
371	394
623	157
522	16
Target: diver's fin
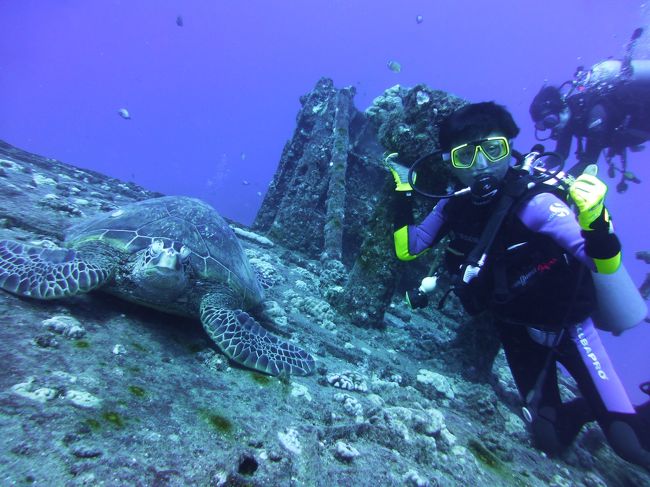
626	65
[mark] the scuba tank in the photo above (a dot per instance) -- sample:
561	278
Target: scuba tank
620	305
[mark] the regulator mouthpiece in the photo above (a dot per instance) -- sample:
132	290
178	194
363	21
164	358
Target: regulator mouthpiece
484	188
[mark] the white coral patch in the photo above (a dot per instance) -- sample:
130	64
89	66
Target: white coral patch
30	391
253	237
9	164
82	399
41	179
350	381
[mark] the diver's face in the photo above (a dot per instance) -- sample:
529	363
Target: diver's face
488	159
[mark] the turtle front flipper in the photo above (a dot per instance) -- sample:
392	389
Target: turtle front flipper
243	340
47	273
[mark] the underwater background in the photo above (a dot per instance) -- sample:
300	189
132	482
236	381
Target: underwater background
212	87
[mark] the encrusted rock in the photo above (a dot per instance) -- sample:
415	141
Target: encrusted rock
413	479
435	381
345	452
46	340
65	325
290	441
81	451
300	391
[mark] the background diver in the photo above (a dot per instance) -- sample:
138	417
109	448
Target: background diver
539	252
605	108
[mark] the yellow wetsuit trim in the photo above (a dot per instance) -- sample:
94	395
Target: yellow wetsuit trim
401	239
608	266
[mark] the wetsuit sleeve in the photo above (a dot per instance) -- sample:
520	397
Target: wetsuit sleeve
545	213
598	126
412	240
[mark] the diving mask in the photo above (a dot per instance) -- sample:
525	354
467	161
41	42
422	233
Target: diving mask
548	122
464	156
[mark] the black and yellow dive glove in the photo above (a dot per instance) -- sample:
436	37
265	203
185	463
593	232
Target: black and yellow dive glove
588	193
400	173
601	244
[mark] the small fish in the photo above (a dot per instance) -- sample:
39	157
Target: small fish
245	182
124	113
179	21
242	156
419	19
394	66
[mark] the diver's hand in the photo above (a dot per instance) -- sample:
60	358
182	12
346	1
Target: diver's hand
400	173
588	193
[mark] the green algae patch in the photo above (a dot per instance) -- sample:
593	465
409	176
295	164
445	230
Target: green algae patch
93	424
261	379
81	344
113	418
138	347
483	455
494	464
218	422
137	391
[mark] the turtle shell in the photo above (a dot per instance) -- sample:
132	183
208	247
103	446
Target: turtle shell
216	254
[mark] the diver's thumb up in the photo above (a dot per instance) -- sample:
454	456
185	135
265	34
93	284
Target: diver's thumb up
588	193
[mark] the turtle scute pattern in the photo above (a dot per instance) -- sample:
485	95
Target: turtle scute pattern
28	271
240	337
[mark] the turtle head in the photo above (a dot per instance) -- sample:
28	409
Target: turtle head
160	270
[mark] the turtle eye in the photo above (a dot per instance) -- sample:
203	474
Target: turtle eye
157	246
185	252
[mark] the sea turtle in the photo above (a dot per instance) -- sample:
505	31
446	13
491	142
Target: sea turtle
175	254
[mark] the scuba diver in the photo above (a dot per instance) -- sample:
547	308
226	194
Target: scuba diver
517	251
605	108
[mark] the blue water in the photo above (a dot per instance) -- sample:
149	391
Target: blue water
213	102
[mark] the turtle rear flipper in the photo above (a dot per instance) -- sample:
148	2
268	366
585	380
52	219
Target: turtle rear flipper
243	340
45	273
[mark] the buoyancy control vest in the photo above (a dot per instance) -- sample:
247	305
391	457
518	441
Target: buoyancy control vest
526	278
